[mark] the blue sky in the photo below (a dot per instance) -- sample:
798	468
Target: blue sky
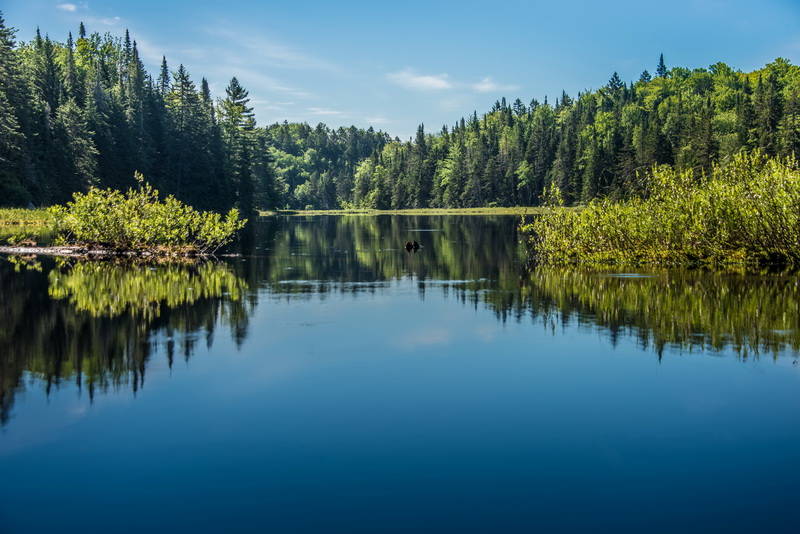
393	65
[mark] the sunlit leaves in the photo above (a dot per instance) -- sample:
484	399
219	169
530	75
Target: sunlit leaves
138	221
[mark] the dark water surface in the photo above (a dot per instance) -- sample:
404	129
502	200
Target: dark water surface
329	381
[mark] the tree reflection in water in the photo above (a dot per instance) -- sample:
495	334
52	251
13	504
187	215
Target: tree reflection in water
96	324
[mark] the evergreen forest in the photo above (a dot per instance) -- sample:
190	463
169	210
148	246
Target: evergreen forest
85	112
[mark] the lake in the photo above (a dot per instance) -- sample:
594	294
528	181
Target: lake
327	380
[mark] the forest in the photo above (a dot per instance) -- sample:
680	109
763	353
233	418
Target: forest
85	112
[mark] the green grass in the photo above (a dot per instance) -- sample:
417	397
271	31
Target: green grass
24	226
513	210
24	217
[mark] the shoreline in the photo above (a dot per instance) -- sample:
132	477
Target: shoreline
512	210
75	251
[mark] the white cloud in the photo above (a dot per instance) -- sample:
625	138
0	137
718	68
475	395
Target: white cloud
67	7
409	79
104	21
487	85
326	112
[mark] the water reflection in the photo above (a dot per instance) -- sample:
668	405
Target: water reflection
97	324
686	310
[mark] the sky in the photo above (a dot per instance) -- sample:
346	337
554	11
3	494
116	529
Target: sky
394	65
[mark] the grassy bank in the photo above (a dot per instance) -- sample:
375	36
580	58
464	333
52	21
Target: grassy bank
513	210
747	211
19	225
24	217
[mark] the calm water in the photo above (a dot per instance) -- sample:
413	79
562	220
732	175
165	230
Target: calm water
329	381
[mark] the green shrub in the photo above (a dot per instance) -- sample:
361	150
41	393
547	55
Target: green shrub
747	211
138	221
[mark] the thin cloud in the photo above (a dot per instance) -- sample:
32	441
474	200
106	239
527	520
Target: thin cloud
326	112
487	85
409	79
456	103
67	7
271	52
148	51
377	120
253	80
104	21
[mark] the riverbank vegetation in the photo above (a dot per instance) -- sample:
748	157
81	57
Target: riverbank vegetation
137	221
84	112
747	211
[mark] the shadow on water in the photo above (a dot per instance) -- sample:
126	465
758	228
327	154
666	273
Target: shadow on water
98	324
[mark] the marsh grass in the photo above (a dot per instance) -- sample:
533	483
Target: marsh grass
747	211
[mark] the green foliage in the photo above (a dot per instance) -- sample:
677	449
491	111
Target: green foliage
105	289
594	145
746	211
138	221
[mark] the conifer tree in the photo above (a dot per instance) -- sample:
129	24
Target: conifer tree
661	69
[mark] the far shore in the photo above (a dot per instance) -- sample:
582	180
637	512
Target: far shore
511	210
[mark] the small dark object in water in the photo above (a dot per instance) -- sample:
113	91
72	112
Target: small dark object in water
412	246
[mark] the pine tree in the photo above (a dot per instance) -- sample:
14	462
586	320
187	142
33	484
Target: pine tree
661	70
184	132
614	83
238	125
163	78
76	152
12	118
768	111
47	74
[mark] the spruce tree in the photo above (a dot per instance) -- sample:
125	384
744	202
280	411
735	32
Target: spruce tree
163	78
661	69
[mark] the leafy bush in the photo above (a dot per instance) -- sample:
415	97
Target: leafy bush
747	211
138	221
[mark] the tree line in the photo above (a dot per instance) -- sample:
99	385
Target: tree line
598	144
85	112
